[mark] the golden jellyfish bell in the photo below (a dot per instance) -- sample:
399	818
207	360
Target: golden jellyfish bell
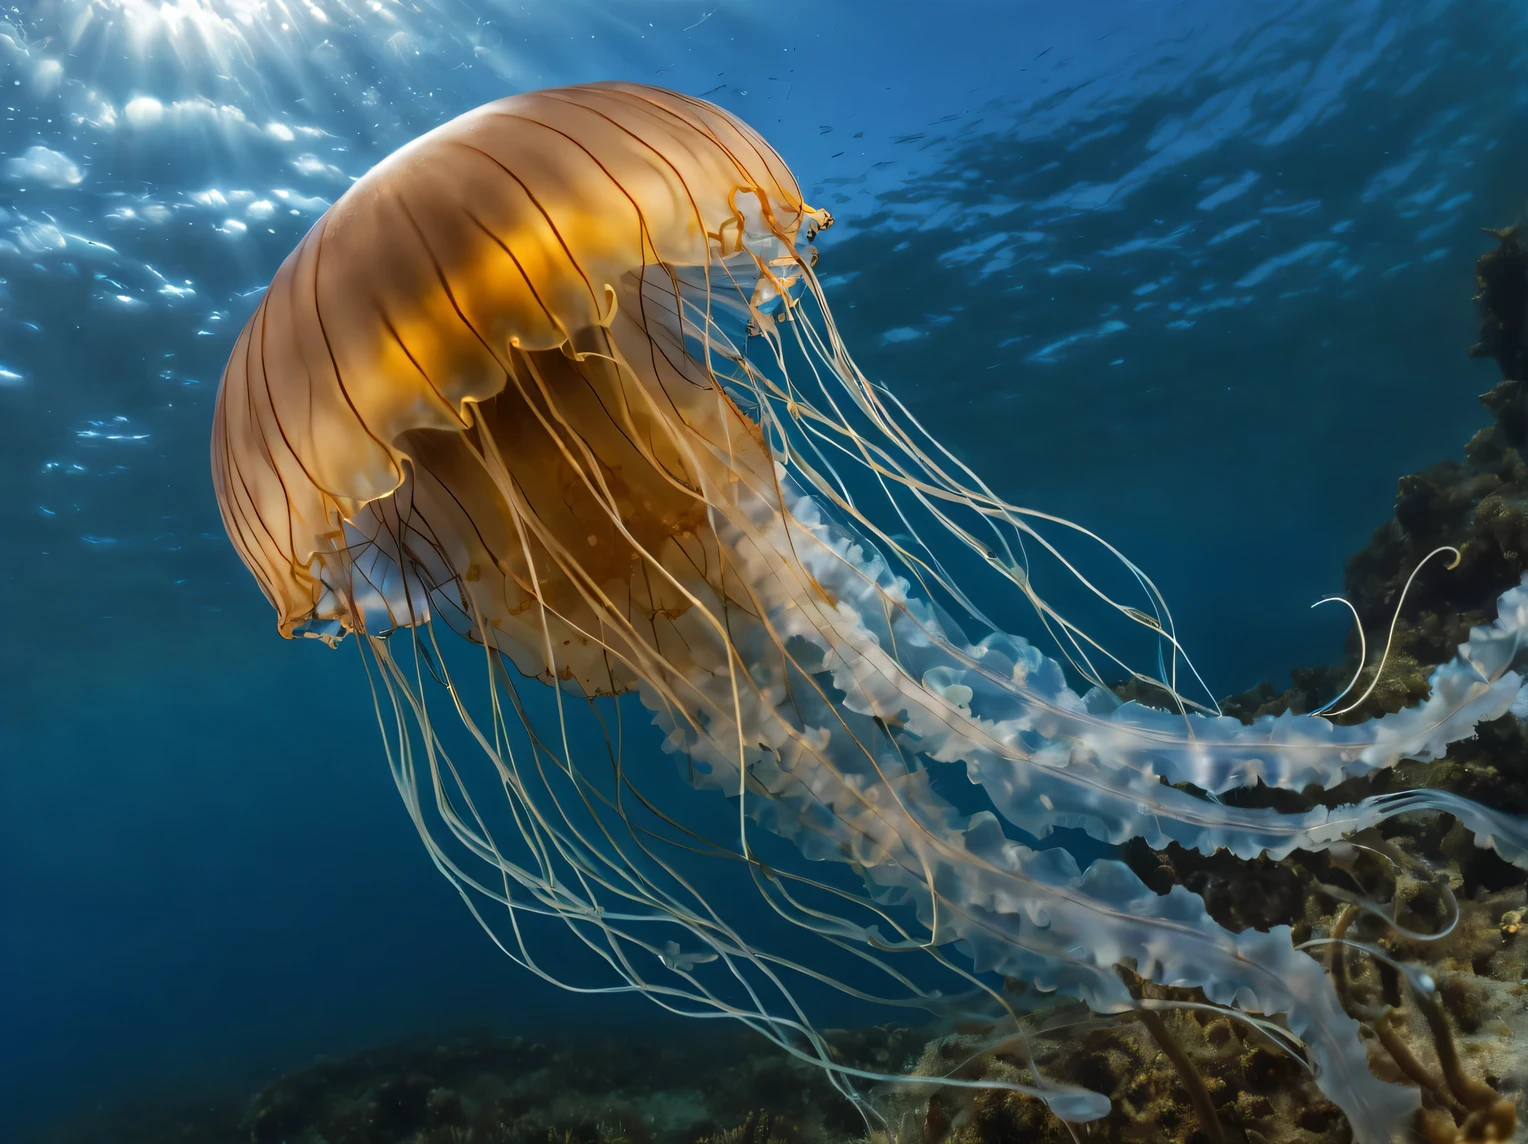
481	384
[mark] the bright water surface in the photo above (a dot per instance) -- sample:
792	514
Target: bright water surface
1194	273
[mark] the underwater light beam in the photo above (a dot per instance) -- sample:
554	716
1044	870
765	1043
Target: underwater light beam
247	41
219	29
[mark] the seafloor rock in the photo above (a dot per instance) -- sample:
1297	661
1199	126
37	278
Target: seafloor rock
725	1088
712	1087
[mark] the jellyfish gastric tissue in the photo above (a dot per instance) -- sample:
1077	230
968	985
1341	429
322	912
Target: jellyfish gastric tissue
559	377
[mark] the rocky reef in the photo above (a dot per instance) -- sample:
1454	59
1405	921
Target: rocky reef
1502	277
712	1086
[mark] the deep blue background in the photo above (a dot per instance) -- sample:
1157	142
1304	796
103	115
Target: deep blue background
1196	274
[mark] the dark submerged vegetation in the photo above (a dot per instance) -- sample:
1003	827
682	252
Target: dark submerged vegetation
717	1087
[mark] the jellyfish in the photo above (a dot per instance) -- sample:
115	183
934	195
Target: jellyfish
550	414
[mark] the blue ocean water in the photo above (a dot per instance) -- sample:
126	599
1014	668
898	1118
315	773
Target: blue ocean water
1194	274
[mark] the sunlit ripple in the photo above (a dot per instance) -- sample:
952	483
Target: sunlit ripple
231	35
216	26
264	56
